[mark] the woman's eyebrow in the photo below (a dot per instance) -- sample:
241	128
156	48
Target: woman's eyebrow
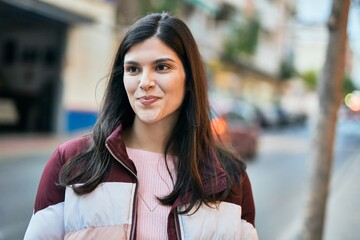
161	60
157	61
132	63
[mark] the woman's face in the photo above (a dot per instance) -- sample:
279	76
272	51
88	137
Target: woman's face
154	80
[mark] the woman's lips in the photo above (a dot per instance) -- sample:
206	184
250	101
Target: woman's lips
147	100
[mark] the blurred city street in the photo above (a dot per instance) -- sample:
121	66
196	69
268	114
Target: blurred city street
265	62
278	175
279	179
22	160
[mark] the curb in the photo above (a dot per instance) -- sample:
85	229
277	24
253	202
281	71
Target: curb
24	145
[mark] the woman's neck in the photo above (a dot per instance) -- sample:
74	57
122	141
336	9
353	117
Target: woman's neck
148	137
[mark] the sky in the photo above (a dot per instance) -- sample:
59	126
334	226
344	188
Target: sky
318	11
315	11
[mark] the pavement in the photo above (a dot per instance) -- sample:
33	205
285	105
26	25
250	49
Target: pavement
343	208
28	144
343	216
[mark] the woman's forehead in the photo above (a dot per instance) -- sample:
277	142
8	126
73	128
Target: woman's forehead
149	49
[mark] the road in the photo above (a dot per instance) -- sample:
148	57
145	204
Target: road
19	178
278	176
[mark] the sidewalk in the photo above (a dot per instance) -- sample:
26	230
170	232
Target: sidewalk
30	144
343	208
343	218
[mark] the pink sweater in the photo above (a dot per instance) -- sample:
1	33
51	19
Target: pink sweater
154	181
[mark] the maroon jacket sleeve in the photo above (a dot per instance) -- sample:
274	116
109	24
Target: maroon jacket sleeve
48	192
247	203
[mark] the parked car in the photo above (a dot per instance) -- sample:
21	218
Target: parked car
237	131
273	115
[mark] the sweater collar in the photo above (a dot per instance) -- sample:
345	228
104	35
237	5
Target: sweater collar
213	183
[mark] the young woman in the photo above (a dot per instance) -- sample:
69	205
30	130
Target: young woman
150	169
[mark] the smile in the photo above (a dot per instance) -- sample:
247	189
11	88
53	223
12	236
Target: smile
147	100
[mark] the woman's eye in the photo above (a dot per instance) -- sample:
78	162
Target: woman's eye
131	69
162	67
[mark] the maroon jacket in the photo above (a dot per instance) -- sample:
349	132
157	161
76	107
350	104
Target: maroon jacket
109	212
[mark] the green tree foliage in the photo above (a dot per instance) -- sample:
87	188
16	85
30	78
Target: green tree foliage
148	6
310	79
242	38
286	70
348	85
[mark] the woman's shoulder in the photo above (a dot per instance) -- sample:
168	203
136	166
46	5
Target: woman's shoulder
234	166
241	194
74	146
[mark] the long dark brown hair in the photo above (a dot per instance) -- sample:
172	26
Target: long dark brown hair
191	140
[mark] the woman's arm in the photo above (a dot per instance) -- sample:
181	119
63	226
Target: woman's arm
247	203
47	221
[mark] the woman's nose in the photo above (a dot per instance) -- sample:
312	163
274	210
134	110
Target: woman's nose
147	80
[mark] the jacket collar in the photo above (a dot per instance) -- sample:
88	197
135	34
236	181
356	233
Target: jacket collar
213	184
116	145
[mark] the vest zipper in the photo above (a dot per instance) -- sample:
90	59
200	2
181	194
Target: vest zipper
134	219
178	237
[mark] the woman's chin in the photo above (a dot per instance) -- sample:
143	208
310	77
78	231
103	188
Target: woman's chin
148	119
